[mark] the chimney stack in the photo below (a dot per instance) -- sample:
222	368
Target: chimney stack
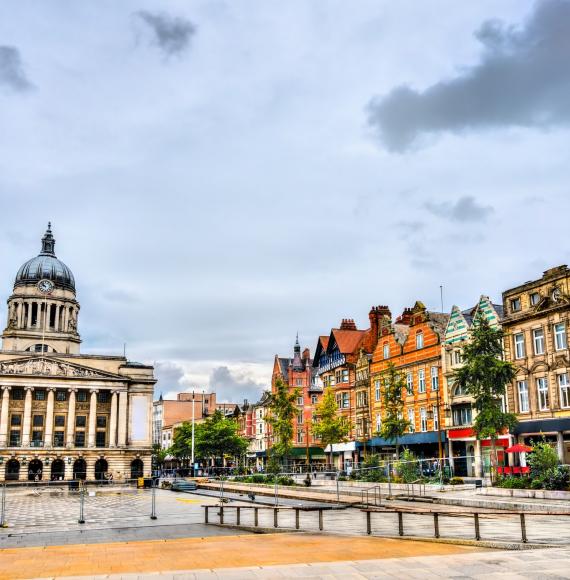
348	324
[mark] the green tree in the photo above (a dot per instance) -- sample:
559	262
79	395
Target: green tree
159	454
485	376
282	410
214	438
393	423
330	426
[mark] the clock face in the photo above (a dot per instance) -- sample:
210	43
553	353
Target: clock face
556	295
45	286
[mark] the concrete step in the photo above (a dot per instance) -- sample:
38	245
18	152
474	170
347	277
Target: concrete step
507	505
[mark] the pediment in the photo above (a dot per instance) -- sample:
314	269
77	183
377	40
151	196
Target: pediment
43	366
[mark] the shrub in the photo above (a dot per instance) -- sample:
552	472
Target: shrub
285	480
511	482
542	459
536	484
257	478
408	467
456	481
557	478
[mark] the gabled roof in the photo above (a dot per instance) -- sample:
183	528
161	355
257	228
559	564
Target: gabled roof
347	341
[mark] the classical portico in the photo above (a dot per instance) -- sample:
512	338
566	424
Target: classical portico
64	415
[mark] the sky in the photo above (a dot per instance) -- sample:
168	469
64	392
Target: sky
221	175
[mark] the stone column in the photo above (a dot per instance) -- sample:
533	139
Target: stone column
70	442
122	439
113	421
48	433
92	417
4	417
478	462
560	446
27	423
29	320
65	319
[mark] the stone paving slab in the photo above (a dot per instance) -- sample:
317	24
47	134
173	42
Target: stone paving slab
539	564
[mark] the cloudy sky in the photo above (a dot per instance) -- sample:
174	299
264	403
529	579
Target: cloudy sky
220	174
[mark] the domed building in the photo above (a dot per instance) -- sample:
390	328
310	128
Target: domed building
63	414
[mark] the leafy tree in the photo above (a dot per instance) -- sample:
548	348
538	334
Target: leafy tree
159	454
215	438
282	410
542	459
331	427
393	423
485	376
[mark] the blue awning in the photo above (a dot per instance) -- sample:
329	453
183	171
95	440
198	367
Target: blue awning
407	439
543	425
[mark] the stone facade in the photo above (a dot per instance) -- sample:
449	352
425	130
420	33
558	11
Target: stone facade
66	415
536	321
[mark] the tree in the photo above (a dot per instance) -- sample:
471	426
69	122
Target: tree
159	454
215	438
282	410
393	423
485	376
330	427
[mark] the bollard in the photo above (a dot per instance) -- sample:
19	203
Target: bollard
321	520
153	502
276	496
477	531
436	524
389	480
206	508
337	489
256	517
368	523
81	502
221	512
275	512
296	519
523	529
3	523
238	516
400	523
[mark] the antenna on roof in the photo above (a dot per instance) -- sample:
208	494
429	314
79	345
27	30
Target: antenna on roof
124	349
441	297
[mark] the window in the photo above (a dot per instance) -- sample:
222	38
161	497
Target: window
515	304
534	298
434	379
300	418
100	439
300	401
81	396
37	438
103	397
522	389
345	376
377	391
411	420
260	428
59	420
421	381
332	382
40	395
101	420
298	382
80	439
378	423
461	415
58	439
299	436
345	401
386	350
542	388
457	360
18	395
519	345
16	420
38	421
560	336
564	386
419	340
314	399
80	421
435	418
410	383
61	396
538	340
14	438
423	420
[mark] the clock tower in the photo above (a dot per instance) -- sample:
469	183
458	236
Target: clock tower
43	310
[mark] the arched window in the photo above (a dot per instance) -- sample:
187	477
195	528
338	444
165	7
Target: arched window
459	391
39	348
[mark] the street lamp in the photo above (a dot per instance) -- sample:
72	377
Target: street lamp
431	415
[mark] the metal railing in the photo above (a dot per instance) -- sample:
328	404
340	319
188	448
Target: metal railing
372	496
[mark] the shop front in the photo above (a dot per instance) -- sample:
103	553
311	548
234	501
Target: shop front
555	431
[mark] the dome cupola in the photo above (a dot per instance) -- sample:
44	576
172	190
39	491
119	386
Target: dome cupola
46	266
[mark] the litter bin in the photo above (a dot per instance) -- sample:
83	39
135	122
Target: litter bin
140	482
73	485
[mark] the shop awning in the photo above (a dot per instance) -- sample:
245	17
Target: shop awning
542	426
407	439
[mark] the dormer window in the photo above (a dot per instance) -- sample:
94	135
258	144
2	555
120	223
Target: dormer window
515	304
419	340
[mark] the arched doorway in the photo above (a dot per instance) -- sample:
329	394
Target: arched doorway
80	469
137	468
57	470
35	470
13	470
101	468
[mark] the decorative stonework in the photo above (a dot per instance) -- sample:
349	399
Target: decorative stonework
45	367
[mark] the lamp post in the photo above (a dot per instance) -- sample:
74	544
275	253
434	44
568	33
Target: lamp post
431	415
192	460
